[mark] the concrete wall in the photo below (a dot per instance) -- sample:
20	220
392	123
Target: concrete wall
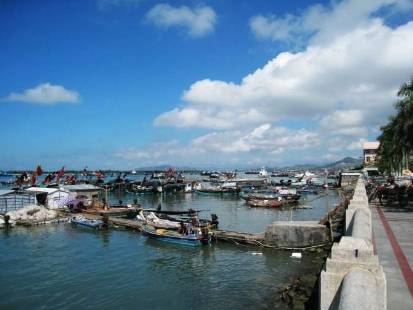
295	234
352	277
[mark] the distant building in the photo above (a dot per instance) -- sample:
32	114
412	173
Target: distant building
370	152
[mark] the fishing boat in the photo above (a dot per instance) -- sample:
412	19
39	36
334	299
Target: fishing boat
263	203
222	189
194	237
151	219
263	173
261	196
82	221
186	216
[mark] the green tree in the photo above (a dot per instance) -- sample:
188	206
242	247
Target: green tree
396	139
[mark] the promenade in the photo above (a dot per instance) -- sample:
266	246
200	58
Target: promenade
393	242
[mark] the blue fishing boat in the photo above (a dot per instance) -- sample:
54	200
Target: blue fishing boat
195	237
91	223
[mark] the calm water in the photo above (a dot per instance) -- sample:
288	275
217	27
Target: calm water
63	267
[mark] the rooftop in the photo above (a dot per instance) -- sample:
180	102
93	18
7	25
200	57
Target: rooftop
371	145
82	187
6	192
48	190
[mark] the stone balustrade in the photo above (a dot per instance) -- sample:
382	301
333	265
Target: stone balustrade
352	277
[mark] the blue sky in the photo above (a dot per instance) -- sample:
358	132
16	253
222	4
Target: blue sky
129	83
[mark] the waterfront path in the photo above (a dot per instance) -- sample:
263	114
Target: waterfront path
393	241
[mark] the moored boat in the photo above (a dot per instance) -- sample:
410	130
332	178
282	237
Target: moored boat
263	203
83	221
263	173
194	237
151	219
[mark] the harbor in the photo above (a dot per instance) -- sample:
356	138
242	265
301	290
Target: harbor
238	240
206	155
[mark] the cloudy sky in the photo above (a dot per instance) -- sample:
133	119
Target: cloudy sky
132	83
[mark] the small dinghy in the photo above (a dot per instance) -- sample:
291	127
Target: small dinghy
193	237
82	221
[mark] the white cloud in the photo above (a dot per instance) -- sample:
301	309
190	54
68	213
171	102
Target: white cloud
360	70
197	21
323	22
45	93
345	122
330	97
264	141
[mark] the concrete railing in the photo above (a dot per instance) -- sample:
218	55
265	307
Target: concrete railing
352	277
358	291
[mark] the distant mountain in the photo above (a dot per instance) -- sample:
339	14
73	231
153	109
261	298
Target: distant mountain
346	162
163	168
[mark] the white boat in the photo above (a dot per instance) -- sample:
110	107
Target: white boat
263	173
83	221
188	188
155	221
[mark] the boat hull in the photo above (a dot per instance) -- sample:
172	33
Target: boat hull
188	240
89	224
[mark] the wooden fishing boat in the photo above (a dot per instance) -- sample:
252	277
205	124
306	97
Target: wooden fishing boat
82	221
259	196
217	190
114	211
262	203
193	238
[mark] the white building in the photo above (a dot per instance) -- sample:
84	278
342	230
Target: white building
87	192
370	152
50	197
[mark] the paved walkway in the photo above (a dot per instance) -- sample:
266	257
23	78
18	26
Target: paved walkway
393	239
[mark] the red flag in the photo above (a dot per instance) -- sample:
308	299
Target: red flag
61	172
34	179
47	179
39	170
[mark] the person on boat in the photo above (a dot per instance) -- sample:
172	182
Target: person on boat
182	229
205	234
194	221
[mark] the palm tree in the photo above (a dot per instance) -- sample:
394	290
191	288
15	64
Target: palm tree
396	139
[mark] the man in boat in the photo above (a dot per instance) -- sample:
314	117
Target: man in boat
182	229
194	221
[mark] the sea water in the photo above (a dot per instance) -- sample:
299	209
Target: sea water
67	267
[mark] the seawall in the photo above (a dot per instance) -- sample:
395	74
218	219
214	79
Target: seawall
352	277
